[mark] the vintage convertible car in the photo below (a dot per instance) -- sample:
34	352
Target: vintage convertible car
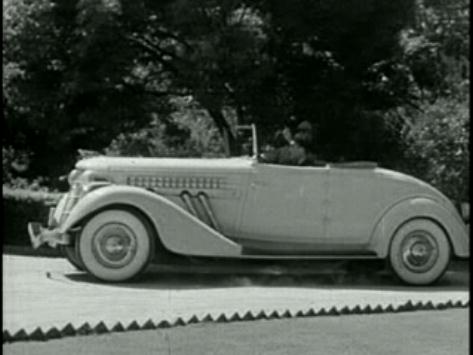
120	212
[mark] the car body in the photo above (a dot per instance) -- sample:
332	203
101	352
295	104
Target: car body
242	208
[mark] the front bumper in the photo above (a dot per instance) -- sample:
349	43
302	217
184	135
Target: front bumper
51	234
40	235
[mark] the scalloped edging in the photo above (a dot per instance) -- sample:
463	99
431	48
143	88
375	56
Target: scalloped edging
69	330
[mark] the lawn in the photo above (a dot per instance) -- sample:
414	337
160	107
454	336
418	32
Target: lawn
421	332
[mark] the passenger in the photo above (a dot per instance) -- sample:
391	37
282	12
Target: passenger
304	137
295	151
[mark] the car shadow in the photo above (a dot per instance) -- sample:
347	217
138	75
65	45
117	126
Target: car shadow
165	280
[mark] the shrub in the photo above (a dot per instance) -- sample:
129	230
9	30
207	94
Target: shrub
438	147
20	207
15	164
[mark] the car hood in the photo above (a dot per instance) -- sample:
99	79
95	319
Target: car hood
127	164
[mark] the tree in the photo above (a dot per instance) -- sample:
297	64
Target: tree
99	69
208	49
65	84
270	59
436	50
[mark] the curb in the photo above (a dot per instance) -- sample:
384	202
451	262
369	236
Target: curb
86	329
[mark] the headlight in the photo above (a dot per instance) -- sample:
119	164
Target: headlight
77	189
70	200
73	175
86	176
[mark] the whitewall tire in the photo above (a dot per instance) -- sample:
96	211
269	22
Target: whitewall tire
116	245
419	252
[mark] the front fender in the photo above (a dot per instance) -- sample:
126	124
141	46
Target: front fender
419	207
178	230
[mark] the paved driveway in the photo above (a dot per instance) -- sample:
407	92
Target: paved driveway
48	292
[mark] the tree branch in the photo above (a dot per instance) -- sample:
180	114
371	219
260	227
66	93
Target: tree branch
157	54
165	34
158	93
155	93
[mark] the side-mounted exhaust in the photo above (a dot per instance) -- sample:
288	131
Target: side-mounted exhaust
205	206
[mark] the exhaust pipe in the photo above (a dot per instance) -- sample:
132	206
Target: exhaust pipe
204	207
187	199
208	210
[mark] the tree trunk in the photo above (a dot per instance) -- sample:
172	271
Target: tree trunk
225	130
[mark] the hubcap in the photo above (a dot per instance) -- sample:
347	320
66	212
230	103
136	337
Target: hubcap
114	245
419	251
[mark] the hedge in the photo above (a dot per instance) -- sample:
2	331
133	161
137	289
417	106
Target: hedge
20	207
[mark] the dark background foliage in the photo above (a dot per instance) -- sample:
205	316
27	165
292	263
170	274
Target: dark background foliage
381	80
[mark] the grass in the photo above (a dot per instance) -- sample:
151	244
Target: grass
420	332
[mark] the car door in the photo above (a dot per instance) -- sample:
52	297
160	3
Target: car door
285	208
355	205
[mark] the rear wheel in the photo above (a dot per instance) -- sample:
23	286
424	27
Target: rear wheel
420	252
116	245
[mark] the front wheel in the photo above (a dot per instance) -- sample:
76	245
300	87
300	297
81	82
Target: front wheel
420	252
116	245
69	252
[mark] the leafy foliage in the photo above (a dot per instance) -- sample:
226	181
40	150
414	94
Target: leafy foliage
64	81
188	132
14	164
438	150
437	133
374	77
436	48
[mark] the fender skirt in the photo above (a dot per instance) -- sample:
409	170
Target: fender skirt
178	230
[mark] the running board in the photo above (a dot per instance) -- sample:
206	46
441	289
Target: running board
310	257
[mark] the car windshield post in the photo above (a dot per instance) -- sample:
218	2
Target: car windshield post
254	137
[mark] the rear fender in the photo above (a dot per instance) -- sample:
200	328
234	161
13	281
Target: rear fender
178	230
419	207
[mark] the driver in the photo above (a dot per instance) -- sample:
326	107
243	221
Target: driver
296	151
